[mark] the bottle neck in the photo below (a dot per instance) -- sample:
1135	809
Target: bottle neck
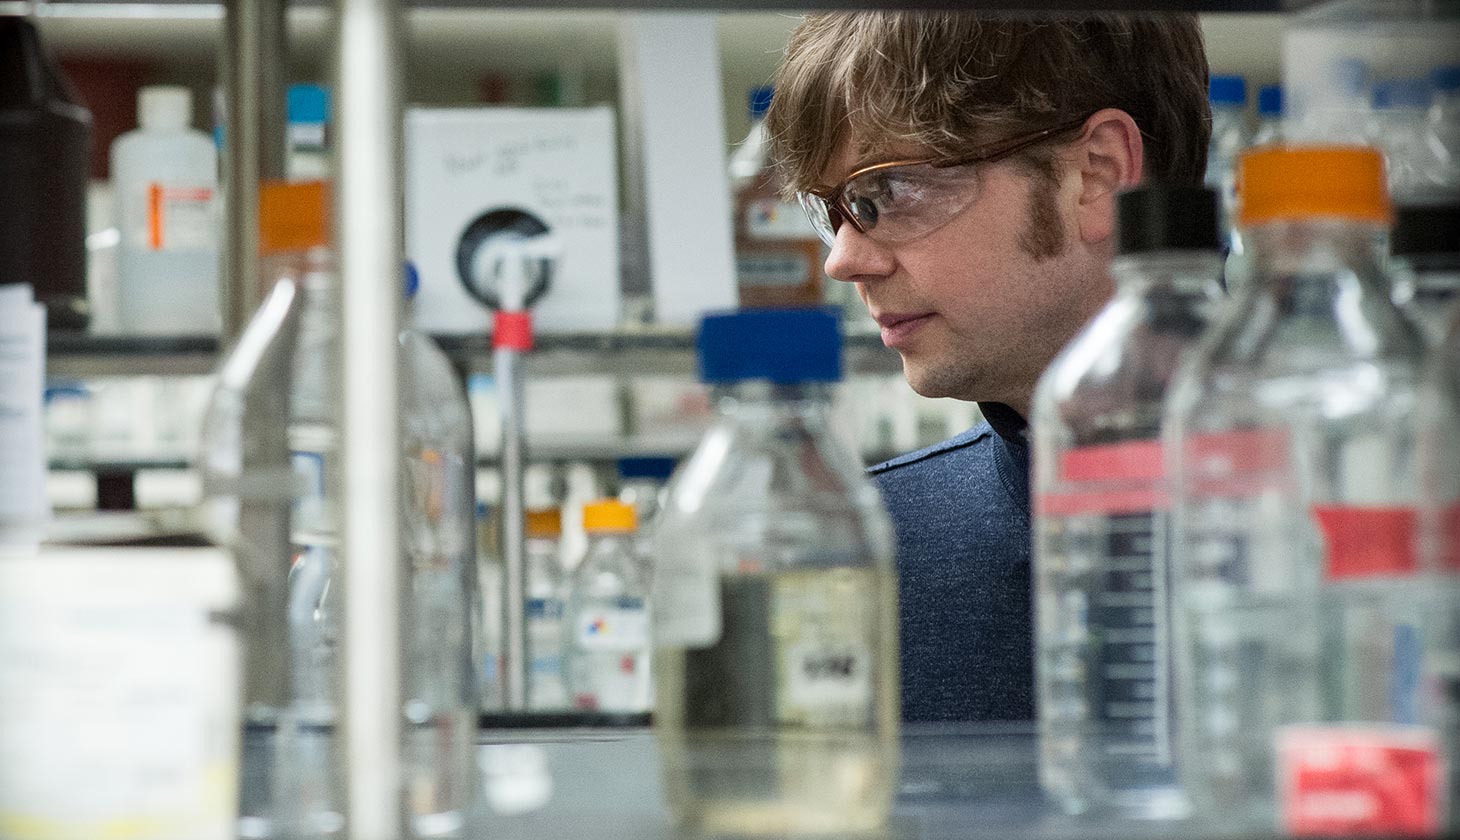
759	396
1169	274
1300	254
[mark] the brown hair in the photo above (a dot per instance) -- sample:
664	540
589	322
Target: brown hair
950	81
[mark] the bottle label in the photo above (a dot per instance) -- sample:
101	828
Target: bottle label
1111	479
180	218
825	621
687	602
778	269
776	220
829	676
118	681
1368	541
1373	782
622	627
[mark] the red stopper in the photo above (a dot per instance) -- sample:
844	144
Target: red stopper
512	331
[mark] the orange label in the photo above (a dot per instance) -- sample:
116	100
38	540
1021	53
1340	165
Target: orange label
154	216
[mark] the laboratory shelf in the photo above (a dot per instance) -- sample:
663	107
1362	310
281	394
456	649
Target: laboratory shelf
202	8
627	353
958	782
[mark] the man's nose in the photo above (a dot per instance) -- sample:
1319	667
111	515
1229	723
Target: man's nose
855	258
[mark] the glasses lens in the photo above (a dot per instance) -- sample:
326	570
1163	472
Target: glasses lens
902	203
819	212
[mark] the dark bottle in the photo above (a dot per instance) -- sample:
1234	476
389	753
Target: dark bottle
45	139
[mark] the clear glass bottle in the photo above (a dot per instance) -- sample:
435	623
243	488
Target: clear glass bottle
775	599
270	464
1301	611
547	690
608	617
1439	545
1415	162
1230	135
439	518
1101	531
1426	265
1269	116
642	483
1444	123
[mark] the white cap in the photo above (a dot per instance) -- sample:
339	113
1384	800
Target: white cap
167	107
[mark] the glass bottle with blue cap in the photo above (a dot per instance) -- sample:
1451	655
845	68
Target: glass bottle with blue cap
775	598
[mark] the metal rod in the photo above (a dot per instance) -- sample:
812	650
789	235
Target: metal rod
368	229
514	553
254	67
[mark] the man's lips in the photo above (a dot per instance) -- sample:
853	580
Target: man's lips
898	327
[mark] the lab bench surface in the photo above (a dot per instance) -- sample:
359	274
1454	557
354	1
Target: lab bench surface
958	782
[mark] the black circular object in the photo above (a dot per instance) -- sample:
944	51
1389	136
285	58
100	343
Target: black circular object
1168	217
500	222
1428	230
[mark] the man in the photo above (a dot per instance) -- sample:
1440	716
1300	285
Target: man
979	239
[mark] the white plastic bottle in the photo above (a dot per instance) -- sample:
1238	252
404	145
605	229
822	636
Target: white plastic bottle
165	175
1102	527
775	599
608	617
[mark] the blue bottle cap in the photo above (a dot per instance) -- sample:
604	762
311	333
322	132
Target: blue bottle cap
1446	79
309	103
1402	93
656	467
1228	90
760	100
785	346
1350	75
412	280
1270	101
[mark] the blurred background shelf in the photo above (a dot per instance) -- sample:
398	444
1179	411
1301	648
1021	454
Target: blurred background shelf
665	353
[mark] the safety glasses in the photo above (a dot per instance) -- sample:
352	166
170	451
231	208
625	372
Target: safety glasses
902	200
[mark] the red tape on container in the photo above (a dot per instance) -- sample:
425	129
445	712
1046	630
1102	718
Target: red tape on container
1368	541
512	331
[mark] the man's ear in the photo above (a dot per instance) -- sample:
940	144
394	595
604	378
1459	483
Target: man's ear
1111	154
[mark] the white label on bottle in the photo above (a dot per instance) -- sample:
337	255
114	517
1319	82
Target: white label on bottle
783	269
621	628
119	689
180	217
769	218
825	677
687	603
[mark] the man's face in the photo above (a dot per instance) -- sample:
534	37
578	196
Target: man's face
974	314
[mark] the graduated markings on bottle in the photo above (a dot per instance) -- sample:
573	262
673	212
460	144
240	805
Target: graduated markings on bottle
1117	494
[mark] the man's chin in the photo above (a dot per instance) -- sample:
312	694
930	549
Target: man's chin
933	381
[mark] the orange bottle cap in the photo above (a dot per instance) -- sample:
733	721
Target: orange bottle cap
1302	182
609	515
293	216
545	523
